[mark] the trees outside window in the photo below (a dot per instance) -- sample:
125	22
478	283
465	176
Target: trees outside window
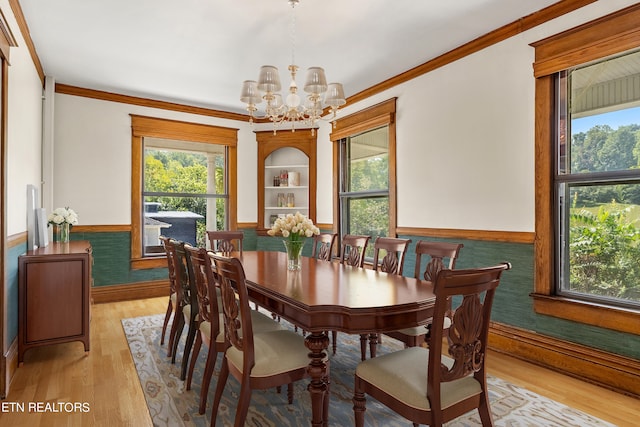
184	192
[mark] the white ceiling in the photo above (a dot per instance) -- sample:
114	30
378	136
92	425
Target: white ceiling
198	52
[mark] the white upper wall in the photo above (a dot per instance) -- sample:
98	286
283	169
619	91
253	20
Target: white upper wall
93	158
24	127
465	141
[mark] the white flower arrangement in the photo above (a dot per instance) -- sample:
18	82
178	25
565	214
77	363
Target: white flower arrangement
294	227
63	215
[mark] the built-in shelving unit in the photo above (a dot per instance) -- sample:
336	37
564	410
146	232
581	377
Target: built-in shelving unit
295	155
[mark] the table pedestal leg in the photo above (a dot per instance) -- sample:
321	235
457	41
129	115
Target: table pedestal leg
317	343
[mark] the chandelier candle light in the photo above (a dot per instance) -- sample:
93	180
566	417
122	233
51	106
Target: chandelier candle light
268	88
295	229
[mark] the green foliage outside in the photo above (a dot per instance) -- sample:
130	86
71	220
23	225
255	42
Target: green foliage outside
182	172
369	216
604	237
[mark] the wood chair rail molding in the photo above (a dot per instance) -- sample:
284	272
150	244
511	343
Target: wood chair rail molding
487	235
611	34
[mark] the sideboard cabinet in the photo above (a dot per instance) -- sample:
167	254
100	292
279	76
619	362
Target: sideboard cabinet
54	295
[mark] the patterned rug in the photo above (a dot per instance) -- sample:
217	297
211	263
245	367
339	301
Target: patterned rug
170	404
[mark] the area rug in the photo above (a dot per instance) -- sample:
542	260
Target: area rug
170	404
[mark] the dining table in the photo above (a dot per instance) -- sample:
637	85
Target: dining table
329	296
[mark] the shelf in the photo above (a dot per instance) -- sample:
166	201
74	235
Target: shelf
294	187
285	208
283	167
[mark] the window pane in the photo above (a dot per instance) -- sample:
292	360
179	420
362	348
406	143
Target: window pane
604	241
184	192
369	161
369	217
605	115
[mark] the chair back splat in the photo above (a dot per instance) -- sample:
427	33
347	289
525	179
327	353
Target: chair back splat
323	244
453	384
353	249
395	250
436	253
225	241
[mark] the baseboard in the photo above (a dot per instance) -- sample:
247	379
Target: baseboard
609	370
11	360
141	290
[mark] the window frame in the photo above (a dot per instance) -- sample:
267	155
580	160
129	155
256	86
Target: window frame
610	35
143	126
371	118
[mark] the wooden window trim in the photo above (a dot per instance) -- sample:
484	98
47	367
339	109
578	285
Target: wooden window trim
609	35
141	127
370	118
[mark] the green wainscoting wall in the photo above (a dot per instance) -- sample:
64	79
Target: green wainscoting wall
112	258
513	305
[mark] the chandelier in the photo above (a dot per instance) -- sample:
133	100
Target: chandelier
292	110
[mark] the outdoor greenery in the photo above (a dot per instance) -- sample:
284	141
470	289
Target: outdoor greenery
183	172
369	216
604	235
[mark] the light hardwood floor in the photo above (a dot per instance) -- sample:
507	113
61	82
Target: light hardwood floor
107	382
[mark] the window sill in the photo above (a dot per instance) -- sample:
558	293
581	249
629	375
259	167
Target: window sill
604	316
147	263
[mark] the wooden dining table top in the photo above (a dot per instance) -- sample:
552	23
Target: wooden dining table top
332	296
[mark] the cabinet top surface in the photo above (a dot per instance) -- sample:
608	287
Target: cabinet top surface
55	248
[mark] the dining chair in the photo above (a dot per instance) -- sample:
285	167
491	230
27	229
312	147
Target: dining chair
176	276
435	253
388	257
258	360
223	240
210	319
323	244
172	304
188	303
422	384
353	248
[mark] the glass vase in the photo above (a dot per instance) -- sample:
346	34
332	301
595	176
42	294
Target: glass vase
61	233
294	251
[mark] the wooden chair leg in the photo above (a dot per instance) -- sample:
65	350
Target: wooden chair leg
210	365
243	404
188	345
176	338
194	357
222	381
334	341
166	321
359	406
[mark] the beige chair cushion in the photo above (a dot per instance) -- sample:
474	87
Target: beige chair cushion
275	352
416	331
173	297
260	323
403	375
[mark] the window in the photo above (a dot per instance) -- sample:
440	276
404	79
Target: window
183	183
184	192
364	184
597	181
365	161
556	58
